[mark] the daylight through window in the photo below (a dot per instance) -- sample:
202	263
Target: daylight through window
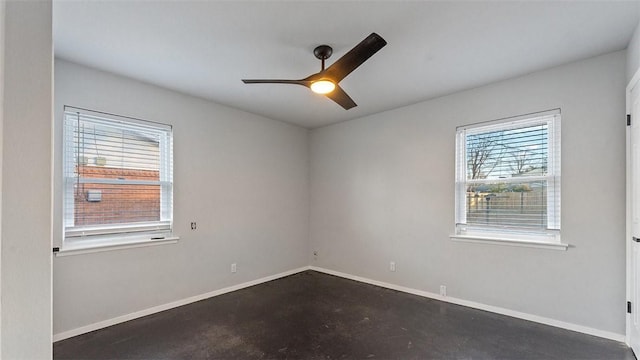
118	175
508	178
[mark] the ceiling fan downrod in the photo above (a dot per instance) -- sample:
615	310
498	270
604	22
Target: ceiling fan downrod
323	52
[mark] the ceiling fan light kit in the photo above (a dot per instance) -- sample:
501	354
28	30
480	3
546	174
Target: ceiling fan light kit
326	82
323	86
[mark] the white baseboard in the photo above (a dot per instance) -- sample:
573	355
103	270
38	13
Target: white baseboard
105	323
535	318
476	305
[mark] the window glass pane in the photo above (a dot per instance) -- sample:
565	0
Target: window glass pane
507	204
508	177
97	203
508	153
104	146
118	173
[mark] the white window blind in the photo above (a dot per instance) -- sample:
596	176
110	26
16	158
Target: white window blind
118	175
508	177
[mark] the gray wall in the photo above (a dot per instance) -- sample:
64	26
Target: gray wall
382	189
243	179
26	182
633	52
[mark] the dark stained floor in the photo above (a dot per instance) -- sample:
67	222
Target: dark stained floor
311	315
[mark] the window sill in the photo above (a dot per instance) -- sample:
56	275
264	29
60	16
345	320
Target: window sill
509	242
104	245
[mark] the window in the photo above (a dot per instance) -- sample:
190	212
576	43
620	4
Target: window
118	177
508	179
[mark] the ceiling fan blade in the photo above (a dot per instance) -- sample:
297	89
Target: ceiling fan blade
339	96
303	82
355	57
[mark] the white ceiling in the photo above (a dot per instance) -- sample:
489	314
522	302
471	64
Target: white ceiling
434	48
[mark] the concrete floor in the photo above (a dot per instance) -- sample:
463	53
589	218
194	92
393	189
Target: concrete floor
311	315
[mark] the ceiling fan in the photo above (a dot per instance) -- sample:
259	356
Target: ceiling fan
326	81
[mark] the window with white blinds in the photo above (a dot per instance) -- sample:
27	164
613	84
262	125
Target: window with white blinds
118	175
508	178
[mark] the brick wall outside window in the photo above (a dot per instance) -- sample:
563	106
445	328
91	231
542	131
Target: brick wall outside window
119	203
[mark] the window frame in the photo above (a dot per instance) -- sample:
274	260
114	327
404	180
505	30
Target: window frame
108	235
502	234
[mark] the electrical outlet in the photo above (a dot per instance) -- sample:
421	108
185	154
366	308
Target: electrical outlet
193	225
443	290
233	268
392	266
